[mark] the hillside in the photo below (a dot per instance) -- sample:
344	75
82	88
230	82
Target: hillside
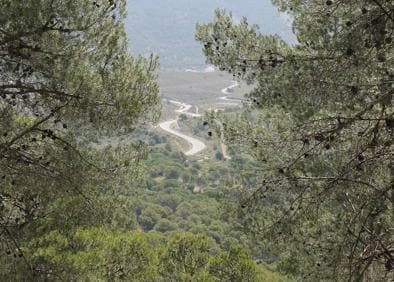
167	27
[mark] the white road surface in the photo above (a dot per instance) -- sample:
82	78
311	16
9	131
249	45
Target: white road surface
226	91
196	145
184	108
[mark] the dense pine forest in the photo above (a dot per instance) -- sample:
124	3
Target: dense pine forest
126	160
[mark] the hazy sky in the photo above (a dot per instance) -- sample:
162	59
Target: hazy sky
166	27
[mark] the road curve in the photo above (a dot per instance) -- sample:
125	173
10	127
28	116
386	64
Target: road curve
226	91
184	108
196	145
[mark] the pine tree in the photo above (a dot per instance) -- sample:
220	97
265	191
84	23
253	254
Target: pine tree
66	77
320	129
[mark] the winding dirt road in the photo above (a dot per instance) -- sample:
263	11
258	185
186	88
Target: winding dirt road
226	91
196	145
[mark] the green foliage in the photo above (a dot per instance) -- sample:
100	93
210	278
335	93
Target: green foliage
165	225
102	254
234	265
186	255
71	97
219	156
97	254
66	79
173	38
319	126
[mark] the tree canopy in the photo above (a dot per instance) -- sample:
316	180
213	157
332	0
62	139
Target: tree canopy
319	124
65	76
309	173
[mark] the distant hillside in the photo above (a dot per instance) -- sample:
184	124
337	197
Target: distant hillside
167	27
